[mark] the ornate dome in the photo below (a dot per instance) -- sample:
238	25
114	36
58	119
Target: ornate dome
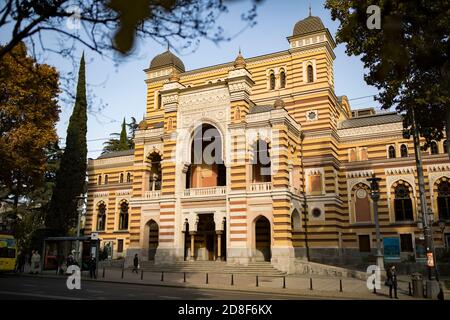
308	25
167	59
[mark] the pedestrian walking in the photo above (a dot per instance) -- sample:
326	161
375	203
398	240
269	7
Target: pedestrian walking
21	260
135	263
93	267
392	281
35	262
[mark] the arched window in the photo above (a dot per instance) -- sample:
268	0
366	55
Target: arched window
434	148
155	171
295	220
445	145
123	215
282	79
207	168
362	204
121	178
99	180
272	81
403	203
444	200
101	216
106	179
128	177
158	101
391	152
310	72
261	162
404	151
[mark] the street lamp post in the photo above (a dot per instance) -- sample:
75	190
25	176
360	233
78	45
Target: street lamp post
80	208
442	224
375	195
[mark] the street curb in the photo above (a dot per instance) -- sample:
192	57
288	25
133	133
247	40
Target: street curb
316	293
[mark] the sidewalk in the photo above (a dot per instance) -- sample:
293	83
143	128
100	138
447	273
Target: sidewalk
298	285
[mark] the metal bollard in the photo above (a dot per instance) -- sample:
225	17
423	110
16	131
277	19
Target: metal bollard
232	280
374	287
122	272
184	276
257	281
340	285
206	278
409	289
142	274
310	284
284	282
162	276
103	275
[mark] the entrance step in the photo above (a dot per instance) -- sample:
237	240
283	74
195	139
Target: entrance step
254	268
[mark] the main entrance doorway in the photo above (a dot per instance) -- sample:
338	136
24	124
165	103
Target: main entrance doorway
207	243
153	239
262	239
205	237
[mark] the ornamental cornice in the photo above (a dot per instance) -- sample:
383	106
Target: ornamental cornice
114	160
384	129
399	171
100	194
441	167
359	174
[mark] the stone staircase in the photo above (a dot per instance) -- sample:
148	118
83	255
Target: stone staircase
254	268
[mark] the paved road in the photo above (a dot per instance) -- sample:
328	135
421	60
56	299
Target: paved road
15	287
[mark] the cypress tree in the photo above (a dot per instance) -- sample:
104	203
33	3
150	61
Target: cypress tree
123	142
71	176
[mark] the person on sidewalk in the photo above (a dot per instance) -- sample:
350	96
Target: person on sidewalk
35	262
392	281
21	260
93	267
135	263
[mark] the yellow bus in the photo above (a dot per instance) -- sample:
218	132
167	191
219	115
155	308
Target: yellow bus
8	253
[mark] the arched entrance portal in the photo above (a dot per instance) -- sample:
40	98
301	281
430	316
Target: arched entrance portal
207	168
262	239
153	239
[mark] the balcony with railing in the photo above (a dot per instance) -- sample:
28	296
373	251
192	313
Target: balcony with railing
205	192
155	194
261	187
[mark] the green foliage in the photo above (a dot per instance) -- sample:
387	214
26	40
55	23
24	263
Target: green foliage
71	176
407	60
125	141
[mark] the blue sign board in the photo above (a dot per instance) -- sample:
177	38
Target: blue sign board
391	248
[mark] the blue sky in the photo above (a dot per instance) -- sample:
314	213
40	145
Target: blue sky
121	88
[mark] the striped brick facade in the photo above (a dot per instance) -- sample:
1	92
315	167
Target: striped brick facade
321	155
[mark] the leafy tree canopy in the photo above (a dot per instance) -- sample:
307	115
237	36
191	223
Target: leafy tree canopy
28	115
125	140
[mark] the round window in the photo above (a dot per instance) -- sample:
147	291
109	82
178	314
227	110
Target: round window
316	212
312	115
361	193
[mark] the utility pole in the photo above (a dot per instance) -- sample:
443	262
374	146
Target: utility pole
375	195
305	203
80	208
426	214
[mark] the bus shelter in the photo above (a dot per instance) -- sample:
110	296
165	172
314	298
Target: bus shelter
57	249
